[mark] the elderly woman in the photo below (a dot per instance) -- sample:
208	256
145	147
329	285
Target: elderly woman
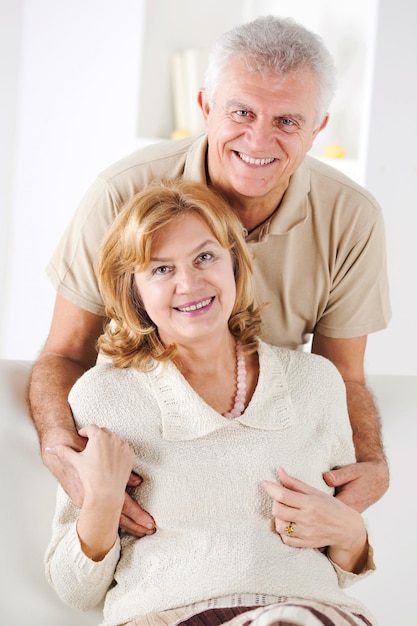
230	435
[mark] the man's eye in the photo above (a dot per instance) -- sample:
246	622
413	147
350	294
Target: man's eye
242	113
287	124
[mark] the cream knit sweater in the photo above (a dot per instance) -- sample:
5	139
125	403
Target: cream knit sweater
201	483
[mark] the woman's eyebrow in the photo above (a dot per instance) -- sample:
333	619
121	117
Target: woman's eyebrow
208	242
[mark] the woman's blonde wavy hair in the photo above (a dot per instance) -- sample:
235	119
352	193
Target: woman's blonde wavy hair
130	337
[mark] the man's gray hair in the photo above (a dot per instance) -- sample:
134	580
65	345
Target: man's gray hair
273	45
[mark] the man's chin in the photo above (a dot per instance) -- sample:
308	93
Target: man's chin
251	189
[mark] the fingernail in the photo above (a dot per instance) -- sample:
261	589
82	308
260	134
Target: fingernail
50	450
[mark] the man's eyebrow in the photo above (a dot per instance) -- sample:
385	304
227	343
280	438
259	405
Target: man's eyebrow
238	105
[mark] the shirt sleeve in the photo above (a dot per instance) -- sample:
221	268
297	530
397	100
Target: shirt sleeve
358	301
71	267
347	579
78	581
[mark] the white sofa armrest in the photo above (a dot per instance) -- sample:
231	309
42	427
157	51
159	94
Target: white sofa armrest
27	501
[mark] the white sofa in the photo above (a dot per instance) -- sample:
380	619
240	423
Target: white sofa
28	494
28	500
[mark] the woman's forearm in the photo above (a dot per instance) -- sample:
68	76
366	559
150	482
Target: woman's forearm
98	524
354	556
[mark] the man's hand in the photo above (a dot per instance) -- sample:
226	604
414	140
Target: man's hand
133	520
60	467
365	482
361	484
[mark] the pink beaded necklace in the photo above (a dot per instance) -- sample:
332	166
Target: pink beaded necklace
239	405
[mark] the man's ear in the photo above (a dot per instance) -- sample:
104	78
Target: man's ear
321	126
203	104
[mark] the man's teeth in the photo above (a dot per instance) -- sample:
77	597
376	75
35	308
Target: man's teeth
253	161
195	307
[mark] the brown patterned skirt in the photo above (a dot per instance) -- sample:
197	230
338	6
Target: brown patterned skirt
292	612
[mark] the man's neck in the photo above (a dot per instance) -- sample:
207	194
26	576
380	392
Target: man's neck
253	212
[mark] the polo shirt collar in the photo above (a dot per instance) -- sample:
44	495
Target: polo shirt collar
195	162
293	209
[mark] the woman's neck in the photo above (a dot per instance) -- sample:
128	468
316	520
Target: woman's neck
211	370
206	358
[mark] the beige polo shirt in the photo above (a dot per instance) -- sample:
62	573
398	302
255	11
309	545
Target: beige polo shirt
320	261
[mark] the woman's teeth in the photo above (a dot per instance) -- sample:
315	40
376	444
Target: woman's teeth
195	307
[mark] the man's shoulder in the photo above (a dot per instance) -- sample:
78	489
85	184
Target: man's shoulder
158	159
301	361
327	178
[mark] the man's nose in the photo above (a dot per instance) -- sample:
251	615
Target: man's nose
259	134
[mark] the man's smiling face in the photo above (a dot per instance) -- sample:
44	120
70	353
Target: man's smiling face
259	129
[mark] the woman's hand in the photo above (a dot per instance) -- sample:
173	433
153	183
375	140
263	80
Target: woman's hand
133	519
104	468
105	464
306	517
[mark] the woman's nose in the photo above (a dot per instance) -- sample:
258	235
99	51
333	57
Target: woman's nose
188	279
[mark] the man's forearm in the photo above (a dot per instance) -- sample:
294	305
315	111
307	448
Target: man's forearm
50	382
361	484
365	422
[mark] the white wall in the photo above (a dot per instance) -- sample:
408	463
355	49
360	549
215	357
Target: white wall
391	174
11	24
76	112
72	74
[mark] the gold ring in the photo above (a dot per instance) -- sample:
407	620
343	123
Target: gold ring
289	529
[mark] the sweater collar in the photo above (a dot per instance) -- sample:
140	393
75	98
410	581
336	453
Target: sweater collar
186	416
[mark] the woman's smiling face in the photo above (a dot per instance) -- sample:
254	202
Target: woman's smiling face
188	289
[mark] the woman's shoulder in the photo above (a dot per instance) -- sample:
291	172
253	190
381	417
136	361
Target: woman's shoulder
104	372
109	396
106	381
